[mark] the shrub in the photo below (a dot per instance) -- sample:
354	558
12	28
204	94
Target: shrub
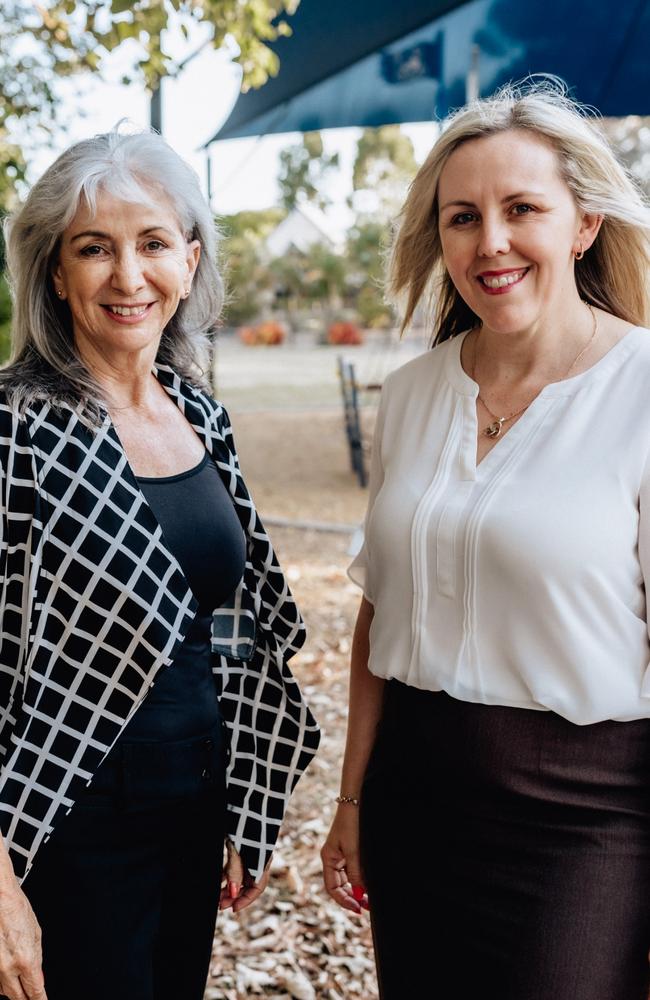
345	334
268	334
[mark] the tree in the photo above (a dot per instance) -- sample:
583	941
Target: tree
40	42
303	168
383	168
630	138
255	224
248	281
366	249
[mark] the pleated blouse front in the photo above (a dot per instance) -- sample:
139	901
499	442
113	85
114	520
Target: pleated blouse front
520	581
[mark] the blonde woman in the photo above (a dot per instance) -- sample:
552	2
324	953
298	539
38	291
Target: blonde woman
497	768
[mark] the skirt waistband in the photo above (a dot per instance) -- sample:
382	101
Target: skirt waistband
515	750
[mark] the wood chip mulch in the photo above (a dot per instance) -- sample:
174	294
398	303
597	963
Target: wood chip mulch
295	942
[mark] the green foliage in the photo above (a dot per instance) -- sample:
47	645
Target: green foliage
302	170
256	224
5	320
630	138
248	280
366	249
384	166
318	285
245	279
381	152
323	275
88	31
40	42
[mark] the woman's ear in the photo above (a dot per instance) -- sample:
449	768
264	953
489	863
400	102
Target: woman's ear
57	280
193	257
589	228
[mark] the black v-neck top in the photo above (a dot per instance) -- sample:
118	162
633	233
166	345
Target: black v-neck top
202	530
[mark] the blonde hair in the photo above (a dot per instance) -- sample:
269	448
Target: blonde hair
613	275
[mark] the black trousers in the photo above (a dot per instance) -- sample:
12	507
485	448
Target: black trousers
126	889
522	838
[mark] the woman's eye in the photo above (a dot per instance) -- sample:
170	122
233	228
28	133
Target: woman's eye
154	245
94	250
523	209
463	218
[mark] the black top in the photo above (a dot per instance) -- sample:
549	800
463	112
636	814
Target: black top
202	530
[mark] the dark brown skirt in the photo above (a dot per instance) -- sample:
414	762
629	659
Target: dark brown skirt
506	852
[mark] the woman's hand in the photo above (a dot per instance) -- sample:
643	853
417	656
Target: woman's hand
238	888
341	864
21	975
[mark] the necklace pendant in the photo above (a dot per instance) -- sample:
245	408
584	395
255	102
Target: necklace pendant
494	429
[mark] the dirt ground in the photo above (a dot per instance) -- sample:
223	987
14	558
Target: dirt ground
296	465
296	943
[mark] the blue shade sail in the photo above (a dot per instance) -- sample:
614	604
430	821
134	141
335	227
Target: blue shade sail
375	62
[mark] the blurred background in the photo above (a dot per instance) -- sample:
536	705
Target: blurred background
305	122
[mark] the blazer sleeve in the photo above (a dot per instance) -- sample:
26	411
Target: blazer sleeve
16	520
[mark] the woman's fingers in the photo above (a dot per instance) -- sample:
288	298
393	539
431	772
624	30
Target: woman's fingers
252	890
246	889
12	988
247	896
349	895
33	985
342	873
21	975
26	985
234	872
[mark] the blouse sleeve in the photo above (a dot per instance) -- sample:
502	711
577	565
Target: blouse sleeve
644	546
359	568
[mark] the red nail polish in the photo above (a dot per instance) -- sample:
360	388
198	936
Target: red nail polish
358	892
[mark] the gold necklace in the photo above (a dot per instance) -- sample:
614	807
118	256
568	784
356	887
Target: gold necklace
494	429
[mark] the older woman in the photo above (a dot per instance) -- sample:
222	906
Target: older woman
496	785
147	711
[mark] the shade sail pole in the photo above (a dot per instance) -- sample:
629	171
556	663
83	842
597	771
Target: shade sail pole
471	80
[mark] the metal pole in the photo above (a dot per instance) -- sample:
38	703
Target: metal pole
472	89
208	174
155	109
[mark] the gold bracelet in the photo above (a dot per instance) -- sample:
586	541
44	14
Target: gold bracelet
347	799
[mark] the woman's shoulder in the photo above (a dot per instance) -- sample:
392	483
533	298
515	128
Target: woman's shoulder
425	368
631	352
641	337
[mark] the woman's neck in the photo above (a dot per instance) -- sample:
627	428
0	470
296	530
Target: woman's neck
540	353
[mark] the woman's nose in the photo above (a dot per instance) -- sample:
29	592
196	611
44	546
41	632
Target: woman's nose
494	238
127	272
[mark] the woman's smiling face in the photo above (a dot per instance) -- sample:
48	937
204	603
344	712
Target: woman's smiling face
509	228
123	271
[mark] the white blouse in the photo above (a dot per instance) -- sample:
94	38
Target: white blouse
520	581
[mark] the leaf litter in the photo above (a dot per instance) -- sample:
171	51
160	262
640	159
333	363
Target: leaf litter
295	943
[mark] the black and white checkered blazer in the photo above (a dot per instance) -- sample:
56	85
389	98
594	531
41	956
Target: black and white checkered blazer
84	570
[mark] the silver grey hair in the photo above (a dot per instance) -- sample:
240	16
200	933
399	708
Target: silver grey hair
138	168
